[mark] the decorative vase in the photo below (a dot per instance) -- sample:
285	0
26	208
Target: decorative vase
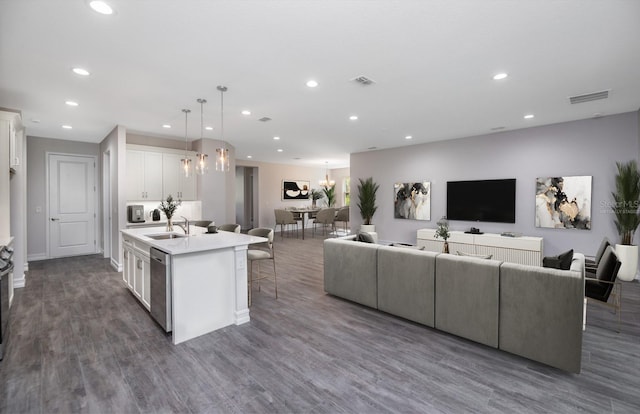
445	247
628	256
169	224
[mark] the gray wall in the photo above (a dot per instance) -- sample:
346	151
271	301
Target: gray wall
587	147
37	186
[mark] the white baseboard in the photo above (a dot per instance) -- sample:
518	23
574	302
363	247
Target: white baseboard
117	266
36	257
26	266
19	280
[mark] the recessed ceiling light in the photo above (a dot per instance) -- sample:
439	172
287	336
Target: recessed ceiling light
209	128
166	126
500	76
280	150
101	7
81	71
276	138
245	112
312	84
353	117
249	156
71	103
408	137
529	116
67	127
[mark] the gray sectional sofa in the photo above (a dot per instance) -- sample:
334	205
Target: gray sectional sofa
534	312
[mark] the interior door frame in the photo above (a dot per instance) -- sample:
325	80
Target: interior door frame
106	204
48	155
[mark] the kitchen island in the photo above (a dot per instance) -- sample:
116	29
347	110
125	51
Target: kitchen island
208	277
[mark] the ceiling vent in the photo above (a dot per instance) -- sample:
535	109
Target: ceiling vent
594	96
363	80
264	119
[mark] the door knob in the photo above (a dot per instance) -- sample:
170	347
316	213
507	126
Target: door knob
54	219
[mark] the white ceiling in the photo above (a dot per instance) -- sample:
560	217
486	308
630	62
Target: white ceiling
432	61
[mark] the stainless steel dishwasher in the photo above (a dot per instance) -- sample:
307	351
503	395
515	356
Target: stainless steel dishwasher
161	288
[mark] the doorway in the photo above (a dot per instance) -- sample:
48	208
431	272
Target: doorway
246	197
71	205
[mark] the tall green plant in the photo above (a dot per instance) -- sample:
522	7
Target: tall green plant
626	200
367	194
330	193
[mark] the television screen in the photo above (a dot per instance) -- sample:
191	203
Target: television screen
483	200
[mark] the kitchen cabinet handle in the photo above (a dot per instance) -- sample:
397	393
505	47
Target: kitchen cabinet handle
126	256
54	219
139	264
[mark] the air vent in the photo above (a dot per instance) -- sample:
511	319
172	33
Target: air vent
594	96
264	119
363	80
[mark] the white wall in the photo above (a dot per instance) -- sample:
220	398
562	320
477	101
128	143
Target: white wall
37	187
587	147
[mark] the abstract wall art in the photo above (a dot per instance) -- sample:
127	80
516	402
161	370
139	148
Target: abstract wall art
564	202
295	190
412	201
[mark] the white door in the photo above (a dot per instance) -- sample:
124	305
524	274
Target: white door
71	205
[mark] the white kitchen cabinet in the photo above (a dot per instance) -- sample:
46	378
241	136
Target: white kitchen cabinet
173	180
144	175
136	272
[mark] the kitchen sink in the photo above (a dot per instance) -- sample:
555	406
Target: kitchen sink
165	236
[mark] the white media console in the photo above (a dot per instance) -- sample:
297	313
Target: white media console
523	250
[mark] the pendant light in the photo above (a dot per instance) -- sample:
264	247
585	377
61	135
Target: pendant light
327	182
186	161
222	154
201	162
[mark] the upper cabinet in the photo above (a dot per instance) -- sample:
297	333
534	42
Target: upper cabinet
173	180
154	173
144	175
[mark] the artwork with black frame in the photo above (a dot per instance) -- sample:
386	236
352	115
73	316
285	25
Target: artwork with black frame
295	189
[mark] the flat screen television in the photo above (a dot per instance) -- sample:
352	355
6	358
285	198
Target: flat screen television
482	200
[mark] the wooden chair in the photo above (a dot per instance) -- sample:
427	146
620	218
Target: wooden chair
602	284
258	252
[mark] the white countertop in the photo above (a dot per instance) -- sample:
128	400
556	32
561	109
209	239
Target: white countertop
196	242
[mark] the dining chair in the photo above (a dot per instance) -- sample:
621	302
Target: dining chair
258	252
343	216
601	284
326	217
233	228
285	218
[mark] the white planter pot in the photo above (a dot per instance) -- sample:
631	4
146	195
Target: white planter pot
368	228
628	256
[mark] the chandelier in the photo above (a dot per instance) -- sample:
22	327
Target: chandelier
326	182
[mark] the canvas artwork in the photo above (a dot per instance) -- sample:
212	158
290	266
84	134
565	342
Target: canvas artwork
412	200
295	190
564	202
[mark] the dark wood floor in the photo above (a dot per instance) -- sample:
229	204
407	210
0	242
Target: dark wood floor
81	343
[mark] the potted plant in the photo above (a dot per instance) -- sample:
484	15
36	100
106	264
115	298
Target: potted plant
367	203
169	207
315	195
330	193
443	232
625	207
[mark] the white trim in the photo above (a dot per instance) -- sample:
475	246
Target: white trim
37	257
26	266
117	266
19	282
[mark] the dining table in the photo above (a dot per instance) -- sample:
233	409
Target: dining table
304	211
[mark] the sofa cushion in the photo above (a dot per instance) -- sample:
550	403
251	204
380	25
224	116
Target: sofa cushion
350	270
467	291
406	283
561	261
407	246
541	314
479	256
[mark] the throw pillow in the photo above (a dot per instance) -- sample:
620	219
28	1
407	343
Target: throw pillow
479	256
365	237
561	261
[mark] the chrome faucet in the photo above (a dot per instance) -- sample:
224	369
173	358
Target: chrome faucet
185	226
